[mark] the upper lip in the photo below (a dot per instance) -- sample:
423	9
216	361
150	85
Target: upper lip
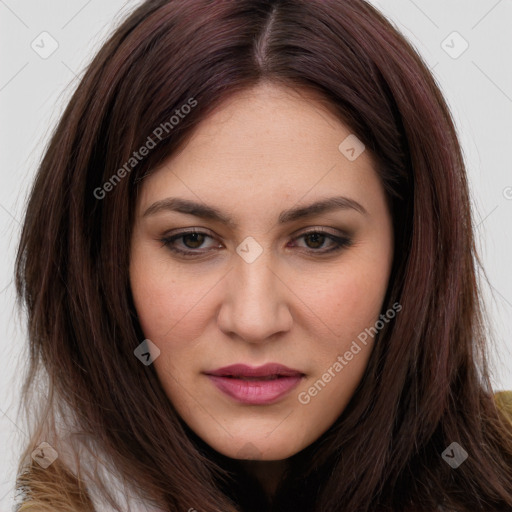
243	370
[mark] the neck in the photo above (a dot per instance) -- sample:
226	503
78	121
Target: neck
267	472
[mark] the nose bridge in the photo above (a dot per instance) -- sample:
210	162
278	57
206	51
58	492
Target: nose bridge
254	307
256	280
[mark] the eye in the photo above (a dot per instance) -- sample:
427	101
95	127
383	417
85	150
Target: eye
317	238
191	241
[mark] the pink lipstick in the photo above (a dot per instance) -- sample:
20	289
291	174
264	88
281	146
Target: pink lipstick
255	385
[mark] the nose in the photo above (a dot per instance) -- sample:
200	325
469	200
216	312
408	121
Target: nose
255	305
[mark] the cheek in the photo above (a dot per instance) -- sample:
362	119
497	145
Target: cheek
344	301
325	396
168	302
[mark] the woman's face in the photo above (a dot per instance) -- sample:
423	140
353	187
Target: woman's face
268	279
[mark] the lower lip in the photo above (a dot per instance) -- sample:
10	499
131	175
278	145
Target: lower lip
255	392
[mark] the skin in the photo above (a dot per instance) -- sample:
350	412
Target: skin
263	151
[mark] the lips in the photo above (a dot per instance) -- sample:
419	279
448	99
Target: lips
255	385
270	370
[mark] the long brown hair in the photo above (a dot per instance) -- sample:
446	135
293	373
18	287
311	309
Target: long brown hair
426	384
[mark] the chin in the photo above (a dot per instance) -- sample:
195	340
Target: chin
254	449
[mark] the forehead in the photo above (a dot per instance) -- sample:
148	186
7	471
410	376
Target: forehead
267	119
266	144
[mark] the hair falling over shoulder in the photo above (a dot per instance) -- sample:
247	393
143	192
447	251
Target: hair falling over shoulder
427	383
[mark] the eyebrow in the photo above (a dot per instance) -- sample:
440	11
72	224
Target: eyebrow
209	212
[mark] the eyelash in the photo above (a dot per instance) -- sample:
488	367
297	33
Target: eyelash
340	242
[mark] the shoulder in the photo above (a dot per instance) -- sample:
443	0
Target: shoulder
503	400
53	488
58	489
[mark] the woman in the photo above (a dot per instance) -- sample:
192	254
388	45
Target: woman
249	270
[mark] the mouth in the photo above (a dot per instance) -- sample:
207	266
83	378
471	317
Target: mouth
266	372
242	377
255	385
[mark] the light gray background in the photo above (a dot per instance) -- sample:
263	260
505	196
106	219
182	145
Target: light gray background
33	91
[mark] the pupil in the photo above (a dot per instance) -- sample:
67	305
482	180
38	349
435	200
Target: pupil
315	237
317	240
194	235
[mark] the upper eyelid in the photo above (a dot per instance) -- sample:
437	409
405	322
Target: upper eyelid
336	238
298	234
